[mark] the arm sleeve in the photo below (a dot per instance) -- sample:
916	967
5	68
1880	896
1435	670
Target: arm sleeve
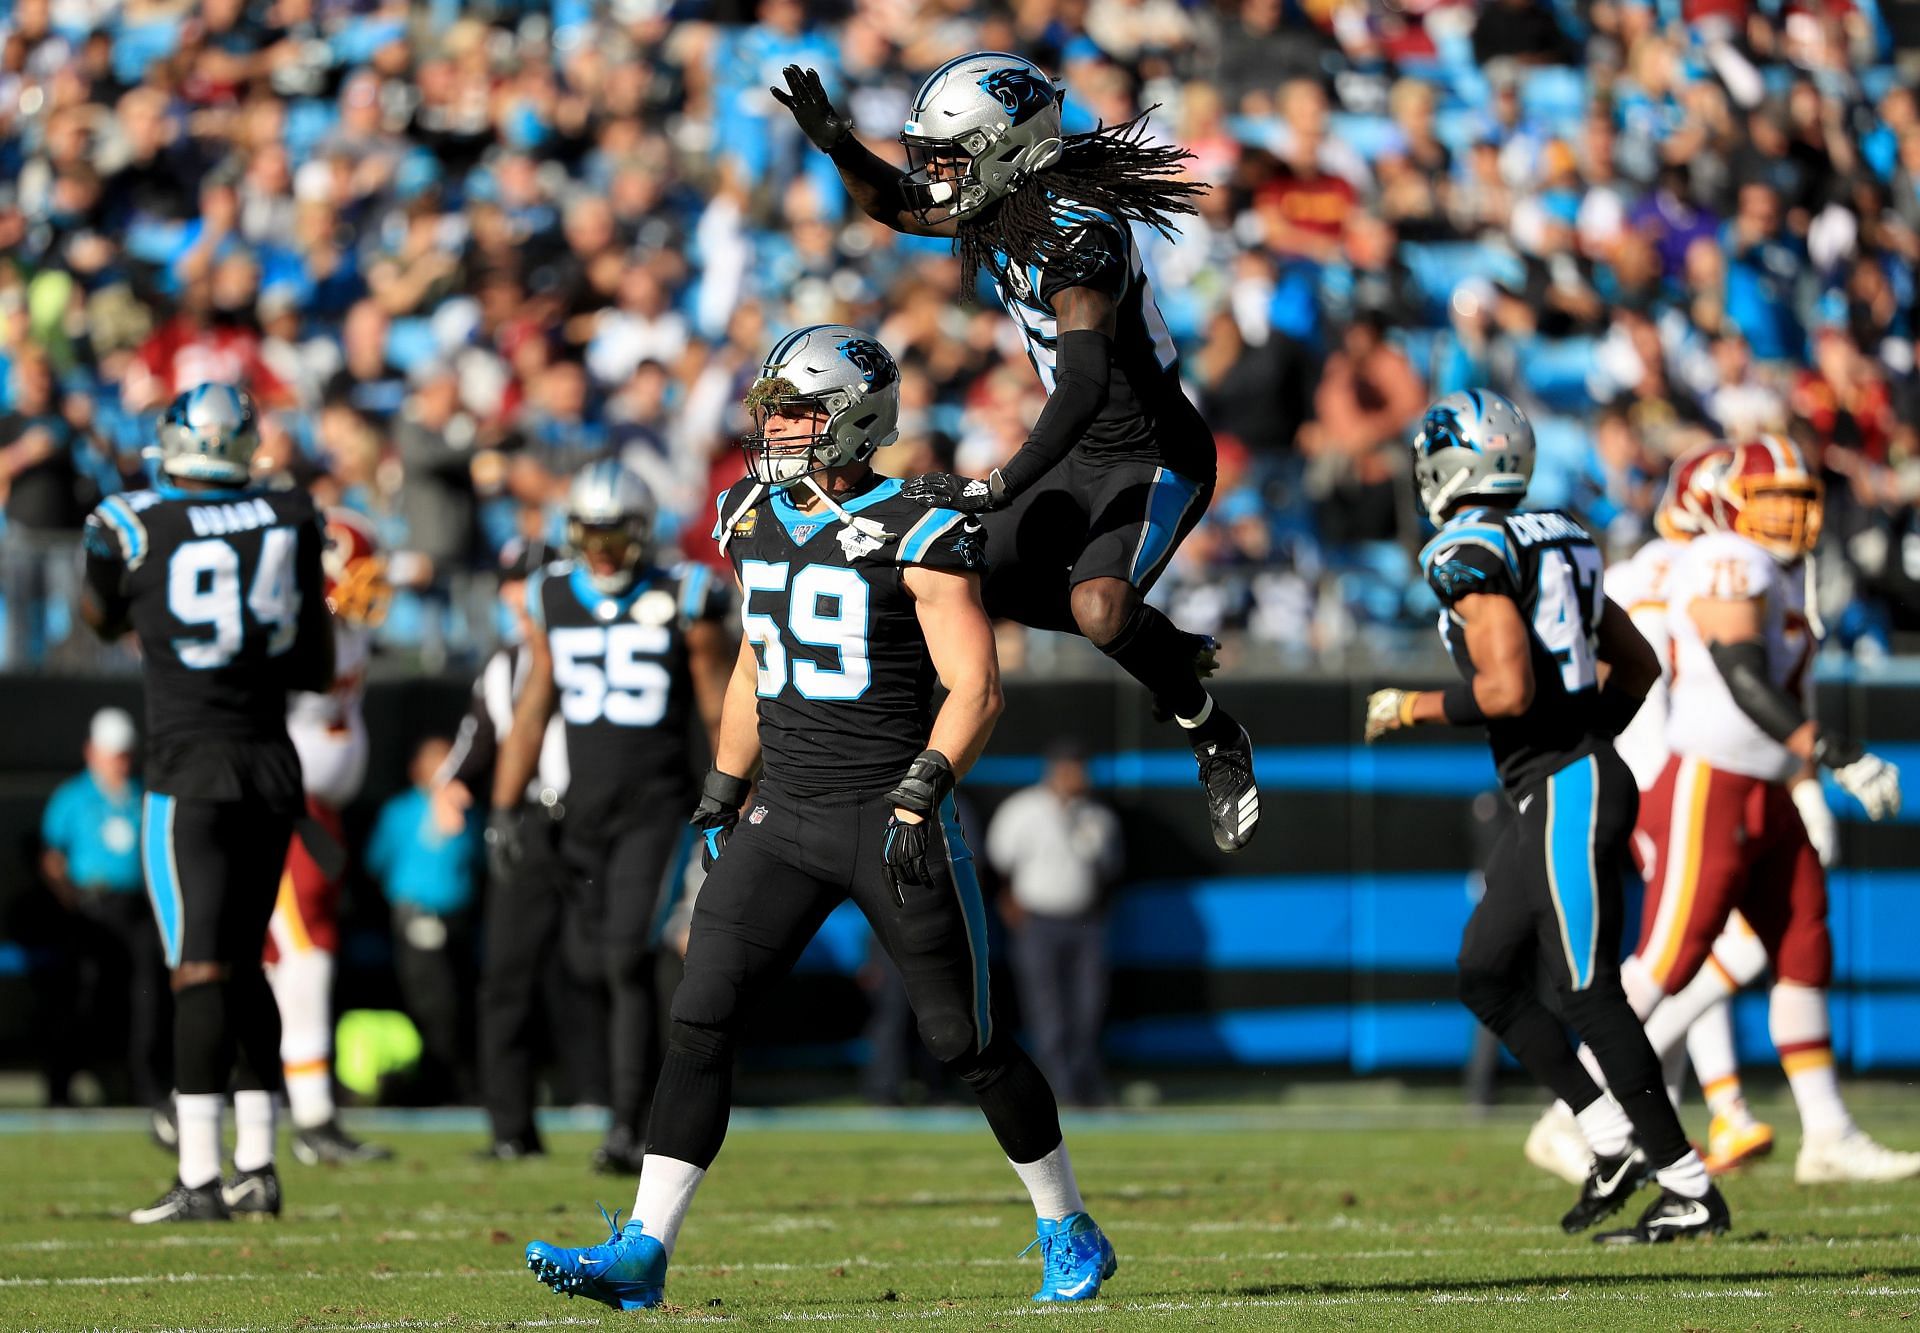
945	539
1083	362
1744	667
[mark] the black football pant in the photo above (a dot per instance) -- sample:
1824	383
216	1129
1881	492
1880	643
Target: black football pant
213	875
629	880
523	970
1550	920
789	864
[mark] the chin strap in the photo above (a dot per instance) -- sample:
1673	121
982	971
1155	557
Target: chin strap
753	498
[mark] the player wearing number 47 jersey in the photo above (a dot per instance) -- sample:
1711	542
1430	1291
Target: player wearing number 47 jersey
625	651
1120	466
1527	624
856	600
222	584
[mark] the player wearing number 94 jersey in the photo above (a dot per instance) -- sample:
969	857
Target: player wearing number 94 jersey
222	584
855	600
1528	625
625	651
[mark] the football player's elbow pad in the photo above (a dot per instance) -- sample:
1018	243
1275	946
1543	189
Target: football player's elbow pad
1743	666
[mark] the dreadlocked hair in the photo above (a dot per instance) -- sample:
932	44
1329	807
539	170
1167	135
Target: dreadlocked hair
1115	169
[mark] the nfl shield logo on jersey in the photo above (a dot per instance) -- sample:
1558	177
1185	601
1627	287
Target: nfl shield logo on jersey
759	815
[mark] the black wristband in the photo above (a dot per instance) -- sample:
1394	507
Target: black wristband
929	778
724	790
1832	750
1459	707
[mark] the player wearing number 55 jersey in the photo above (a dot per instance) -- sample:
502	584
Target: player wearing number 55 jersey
222	584
626	651
856	600
1527	623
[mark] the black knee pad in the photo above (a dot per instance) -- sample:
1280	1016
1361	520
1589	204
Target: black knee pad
702	1046
203	1043
706	999
950	1037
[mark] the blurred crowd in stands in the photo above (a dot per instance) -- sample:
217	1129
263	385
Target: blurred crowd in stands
456	250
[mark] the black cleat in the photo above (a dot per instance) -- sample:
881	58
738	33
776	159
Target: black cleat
511	1150
331	1145
1673	1216
1233	801
253	1194
619	1155
1611	1181
202	1203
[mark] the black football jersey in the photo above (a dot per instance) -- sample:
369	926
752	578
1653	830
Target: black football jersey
224	589
1147	415
625	689
1548	564
845	680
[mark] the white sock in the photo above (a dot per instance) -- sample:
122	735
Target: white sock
253	1130
1643	992
1191	722
1710	1047
1606	1127
1592	1063
1050	1182
199	1115
1686	1177
1675	1016
302	986
1797	1019
667	1187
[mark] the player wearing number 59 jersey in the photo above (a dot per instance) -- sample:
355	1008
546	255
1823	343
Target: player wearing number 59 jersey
855	601
222	584
626	651
1528	625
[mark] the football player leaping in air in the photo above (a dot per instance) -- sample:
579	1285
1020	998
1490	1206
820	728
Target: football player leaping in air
1528	625
855	600
1120	466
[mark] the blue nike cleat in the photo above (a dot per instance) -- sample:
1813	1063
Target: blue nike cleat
1075	1258
628	1270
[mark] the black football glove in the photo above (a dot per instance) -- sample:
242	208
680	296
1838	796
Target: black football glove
506	842
812	111
969	495
916	853
721	797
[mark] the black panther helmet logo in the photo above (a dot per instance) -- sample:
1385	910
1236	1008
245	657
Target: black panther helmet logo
1441	430
876	367
1020	91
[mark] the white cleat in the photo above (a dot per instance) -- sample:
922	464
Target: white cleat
1854	1157
1556	1145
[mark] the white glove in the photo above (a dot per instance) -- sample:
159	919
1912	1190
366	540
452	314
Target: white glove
1874	783
1823	830
1389	710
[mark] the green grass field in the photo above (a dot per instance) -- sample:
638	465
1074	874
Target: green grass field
1337	1217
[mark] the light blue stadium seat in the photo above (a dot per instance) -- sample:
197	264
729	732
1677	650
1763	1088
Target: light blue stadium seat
309	120
1369	136
410	342
1418	344
1440	266
356	42
1556	96
138	45
1458	127
1554	370
1562	450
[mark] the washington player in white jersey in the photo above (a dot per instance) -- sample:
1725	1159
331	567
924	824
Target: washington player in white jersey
329	732
1725	828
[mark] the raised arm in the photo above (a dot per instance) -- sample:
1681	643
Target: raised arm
875	184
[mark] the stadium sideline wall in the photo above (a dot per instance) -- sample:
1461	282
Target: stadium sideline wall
1329	942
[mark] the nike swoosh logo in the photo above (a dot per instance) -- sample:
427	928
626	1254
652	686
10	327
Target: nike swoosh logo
1077	1288
1612	1182
1695	1214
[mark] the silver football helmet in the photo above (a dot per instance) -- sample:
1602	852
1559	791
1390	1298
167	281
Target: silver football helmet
1472	445
830	370
980	125
610	514
209	433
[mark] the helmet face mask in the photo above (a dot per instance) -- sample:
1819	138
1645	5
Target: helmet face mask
1786	518
1763	490
828	396
355	572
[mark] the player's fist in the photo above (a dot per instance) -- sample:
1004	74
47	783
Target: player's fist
1389	710
812	110
1874	783
943	490
721	797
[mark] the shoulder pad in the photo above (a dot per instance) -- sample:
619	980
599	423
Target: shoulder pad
1486	532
